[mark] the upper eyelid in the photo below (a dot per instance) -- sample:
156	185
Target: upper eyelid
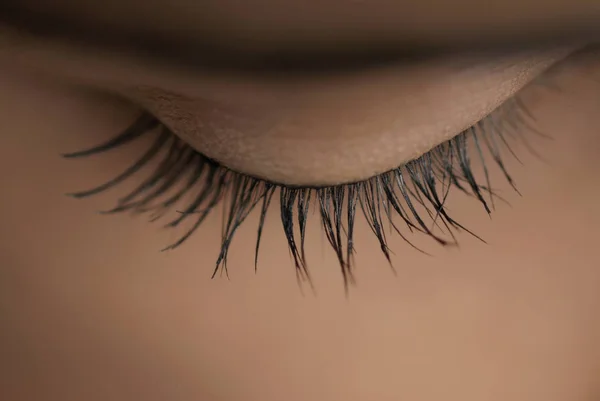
100	70
351	127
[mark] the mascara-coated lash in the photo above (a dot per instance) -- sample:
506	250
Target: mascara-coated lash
409	198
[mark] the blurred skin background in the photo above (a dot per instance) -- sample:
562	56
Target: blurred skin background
91	310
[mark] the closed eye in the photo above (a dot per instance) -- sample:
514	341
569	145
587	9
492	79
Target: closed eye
387	144
409	198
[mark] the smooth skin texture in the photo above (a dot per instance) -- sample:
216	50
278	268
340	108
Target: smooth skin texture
350	127
90	310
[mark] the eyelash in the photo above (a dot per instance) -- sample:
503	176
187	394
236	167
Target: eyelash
415	192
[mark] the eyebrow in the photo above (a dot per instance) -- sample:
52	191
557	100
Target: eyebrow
206	54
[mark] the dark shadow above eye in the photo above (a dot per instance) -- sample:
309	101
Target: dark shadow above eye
229	38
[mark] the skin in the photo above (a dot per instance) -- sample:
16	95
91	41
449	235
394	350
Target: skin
386	112
256	125
91	310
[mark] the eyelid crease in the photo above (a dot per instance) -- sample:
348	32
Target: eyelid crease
416	43
415	192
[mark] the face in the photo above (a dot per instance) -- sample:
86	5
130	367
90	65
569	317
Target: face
365	156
